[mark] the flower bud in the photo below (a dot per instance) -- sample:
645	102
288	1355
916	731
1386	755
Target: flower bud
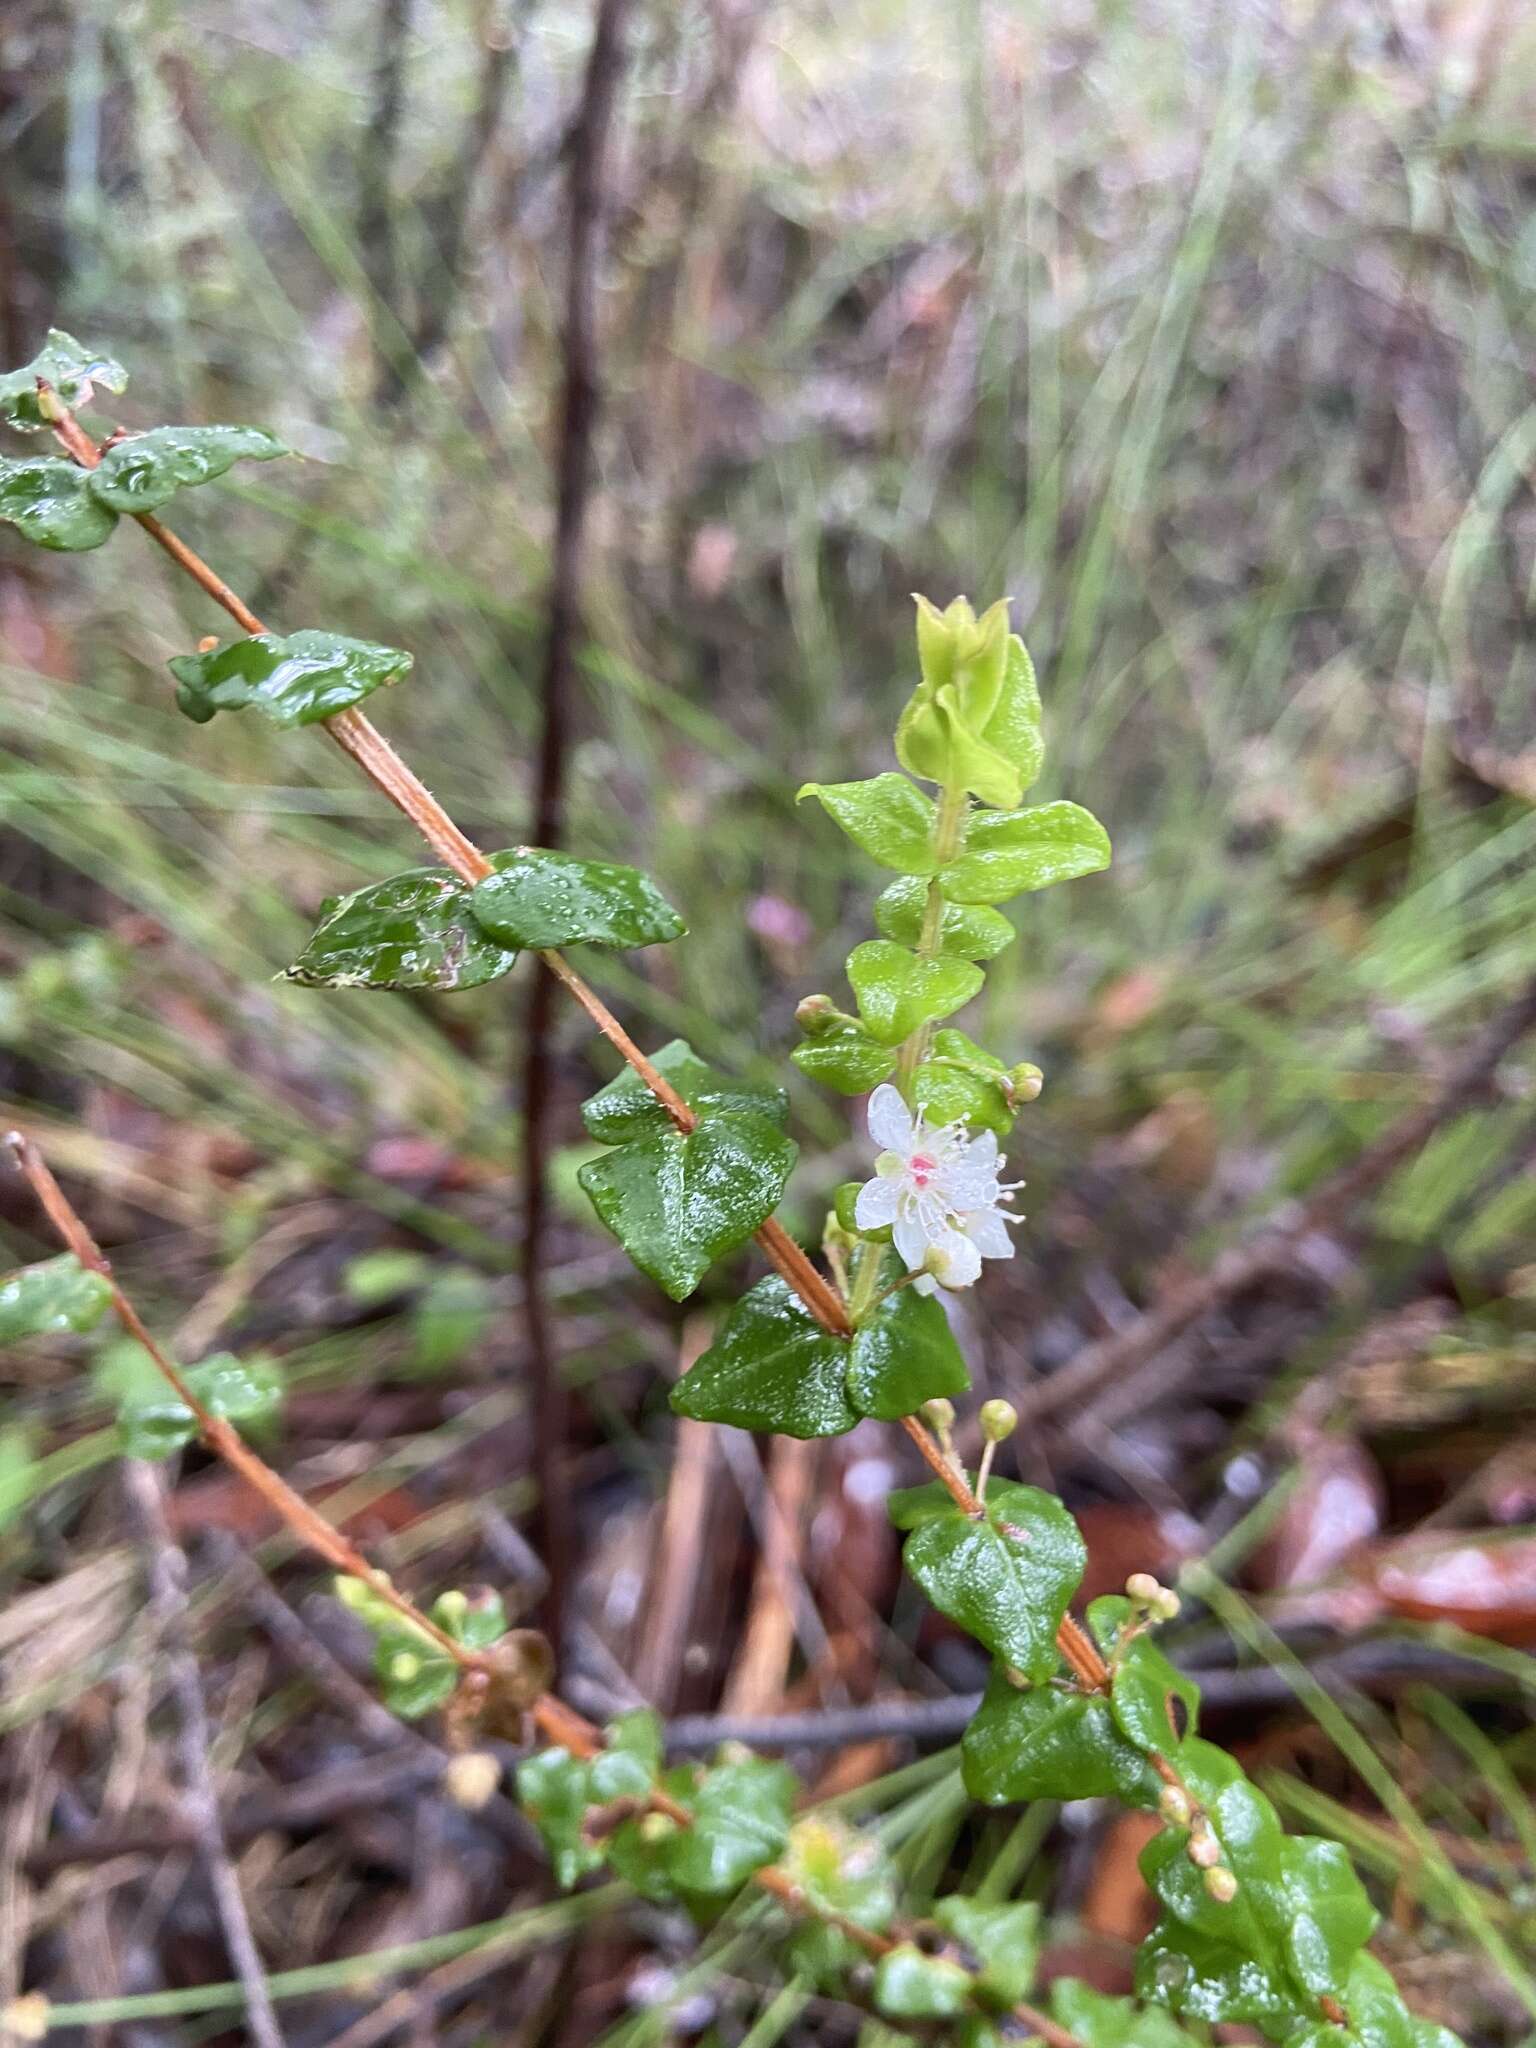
1168	1604
939	1413
26	2018
404	1666
1220	1883
817	1015
1025	1081
1173	1804
1142	1586
452	1607
998	1419
655	1828
1204	1850
470	1780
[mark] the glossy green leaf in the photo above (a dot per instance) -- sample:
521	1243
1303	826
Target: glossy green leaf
741	1819
630	1765
887	816
144	471
415	1677
1006	1579
1002	1939
947	1093
49	503
71	370
152	1422
1188	1973
55	1298
626	1108
1044	1742
414	931
293	679
540	900
678	1201
842	1871
849	1061
903	1354
1098	2020
1155	1705
1378	2017
1008	853
553	1790
772	1367
967	931
897	990
912	1986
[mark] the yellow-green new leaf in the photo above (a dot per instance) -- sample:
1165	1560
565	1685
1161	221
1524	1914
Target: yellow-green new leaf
898	990
1009	853
887	815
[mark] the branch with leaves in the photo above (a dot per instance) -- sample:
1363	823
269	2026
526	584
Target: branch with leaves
1257	1927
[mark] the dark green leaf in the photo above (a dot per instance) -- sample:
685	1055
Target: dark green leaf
70	369
541	900
47	500
294	679
912	1986
947	1093
887	815
144	471
1100	2021
902	1355
910	1507
1004	1939
772	1367
1145	1682
1188	1973
1008	853
740	1822
848	1061
553	1789
626	1108
677	1202
414	931
56	1298
630	1765
1007	1578
897	991
152	1422
1378	2017
966	931
1045	1743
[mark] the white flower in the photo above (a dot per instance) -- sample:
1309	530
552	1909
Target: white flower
938	1191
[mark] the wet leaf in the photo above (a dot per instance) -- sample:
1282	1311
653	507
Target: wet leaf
741	1815
152	1422
912	1986
626	1108
541	900
55	1298
897	990
888	816
850	1061
678	1201
1003	1938
842	1871
145	471
1008	853
968	932
1100	2021
772	1367
902	1355
69	368
294	679
1040	1742
1147	1690
49	503
1007	1578
414	931
553	1789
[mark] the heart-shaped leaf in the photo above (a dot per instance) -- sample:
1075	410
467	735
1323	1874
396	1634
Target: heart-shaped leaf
415	931
626	1108
144	471
1006	1577
1098	2020
1003	1938
1039	1742
540	900
968	931
772	1367
297	679
69	368
678	1201
1008	853
849	1061
897	990
741	1816
1147	1691
152	1421
887	815
49	503
903	1354
910	1985
56	1298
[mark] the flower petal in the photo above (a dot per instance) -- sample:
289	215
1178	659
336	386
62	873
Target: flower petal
878	1201
890	1123
910	1239
988	1231
958	1262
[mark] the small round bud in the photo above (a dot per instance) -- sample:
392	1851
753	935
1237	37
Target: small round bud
1204	1850
1167	1604
939	1413
208	643
26	2017
471	1779
1173	1804
816	1015
1025	1081
1220	1883
404	1666
655	1827
452	1607
1142	1586
998	1419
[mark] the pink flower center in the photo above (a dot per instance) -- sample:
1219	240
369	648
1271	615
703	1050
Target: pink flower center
922	1168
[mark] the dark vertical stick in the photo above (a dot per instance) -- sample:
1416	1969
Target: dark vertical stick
375	186
579	405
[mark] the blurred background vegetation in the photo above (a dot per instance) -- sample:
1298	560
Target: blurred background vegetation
1201	330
